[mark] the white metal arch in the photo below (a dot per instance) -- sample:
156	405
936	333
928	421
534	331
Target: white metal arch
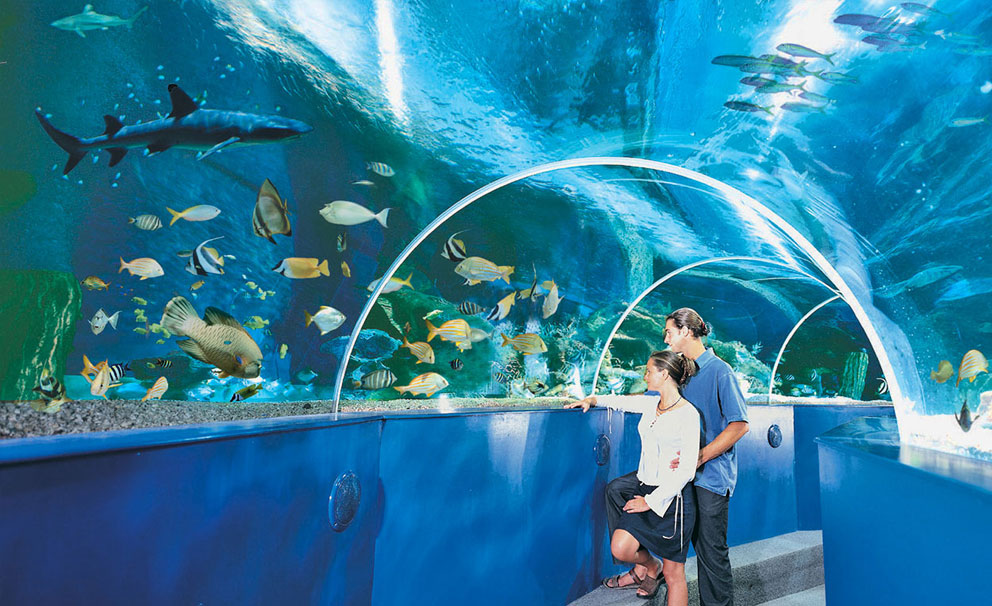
785	343
633	304
732	194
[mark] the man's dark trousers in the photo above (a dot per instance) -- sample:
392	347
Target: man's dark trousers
709	539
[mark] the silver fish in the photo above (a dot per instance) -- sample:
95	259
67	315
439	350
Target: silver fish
146	222
101	319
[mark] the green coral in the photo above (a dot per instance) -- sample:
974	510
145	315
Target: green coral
40	310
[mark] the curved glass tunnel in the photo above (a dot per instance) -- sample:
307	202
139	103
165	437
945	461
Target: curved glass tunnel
406	106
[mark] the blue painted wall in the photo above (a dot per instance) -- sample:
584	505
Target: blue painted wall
810	422
901	524
237	513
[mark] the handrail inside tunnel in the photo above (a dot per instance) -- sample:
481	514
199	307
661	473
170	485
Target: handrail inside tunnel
633	304
732	194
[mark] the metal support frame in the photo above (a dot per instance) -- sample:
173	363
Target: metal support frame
731	194
778	358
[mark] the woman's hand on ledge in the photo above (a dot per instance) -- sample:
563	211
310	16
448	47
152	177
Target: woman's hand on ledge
584	403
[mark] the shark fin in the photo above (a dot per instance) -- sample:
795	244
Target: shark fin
182	105
116	154
158	146
113	125
218	147
81	34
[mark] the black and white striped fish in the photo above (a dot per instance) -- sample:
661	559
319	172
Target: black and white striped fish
146	222
163	363
377	379
470	308
457	364
201	263
454	250
501	378
381	168
883	386
117	371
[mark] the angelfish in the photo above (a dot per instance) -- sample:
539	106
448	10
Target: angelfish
270	215
454	249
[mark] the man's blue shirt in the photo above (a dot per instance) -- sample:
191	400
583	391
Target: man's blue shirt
717	396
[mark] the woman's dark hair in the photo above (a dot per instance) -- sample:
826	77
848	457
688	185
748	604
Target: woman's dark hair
688	318
680	368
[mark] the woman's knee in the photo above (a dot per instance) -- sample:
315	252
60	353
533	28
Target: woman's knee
624	546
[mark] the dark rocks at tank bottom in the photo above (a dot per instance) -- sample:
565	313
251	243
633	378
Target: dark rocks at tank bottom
40	310
19	420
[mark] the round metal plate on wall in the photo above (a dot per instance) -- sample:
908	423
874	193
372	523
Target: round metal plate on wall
346	494
602	450
774	436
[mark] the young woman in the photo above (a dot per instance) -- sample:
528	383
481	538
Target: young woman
652	510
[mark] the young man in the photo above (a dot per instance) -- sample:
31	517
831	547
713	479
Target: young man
717	395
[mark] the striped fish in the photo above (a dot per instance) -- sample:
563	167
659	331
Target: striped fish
454	250
161	363
117	371
146	267
155	391
270	215
381	169
502	308
342	242
453	330
477	269
246	392
457	364
501	378
50	388
528	343
423	352
101	382
202	263
145	222
428	384
972	364
471	309
377	379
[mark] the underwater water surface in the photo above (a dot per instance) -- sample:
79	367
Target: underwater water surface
827	210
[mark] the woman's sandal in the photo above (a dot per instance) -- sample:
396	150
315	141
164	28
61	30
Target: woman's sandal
649	585
614	581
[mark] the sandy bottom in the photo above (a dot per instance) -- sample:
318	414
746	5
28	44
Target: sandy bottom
20	420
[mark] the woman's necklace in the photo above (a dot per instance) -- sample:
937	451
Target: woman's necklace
661	410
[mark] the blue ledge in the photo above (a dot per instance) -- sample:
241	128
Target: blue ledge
878	437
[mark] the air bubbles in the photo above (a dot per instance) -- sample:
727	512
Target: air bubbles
161	77
160	67
114	184
986	88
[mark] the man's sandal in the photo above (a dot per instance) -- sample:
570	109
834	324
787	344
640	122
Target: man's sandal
614	581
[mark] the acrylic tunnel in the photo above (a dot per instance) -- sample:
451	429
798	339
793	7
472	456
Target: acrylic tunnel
294	293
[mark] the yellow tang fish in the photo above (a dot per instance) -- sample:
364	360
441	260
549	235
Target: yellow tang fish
301	267
972	364
528	343
282	351
428	384
345	270
156	391
477	269
139	301
423	352
196	284
944	372
502	308
95	283
146	267
217	339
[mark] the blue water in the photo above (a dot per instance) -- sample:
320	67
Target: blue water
888	183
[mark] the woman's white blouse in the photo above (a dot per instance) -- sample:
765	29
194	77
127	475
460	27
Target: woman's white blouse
663	438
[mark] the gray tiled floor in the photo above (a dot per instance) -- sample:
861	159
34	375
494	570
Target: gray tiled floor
817	596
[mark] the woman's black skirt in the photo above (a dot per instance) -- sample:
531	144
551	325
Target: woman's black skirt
668	536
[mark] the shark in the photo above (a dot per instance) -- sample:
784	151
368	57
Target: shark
187	126
90	20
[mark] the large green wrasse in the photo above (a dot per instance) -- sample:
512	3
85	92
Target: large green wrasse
217	339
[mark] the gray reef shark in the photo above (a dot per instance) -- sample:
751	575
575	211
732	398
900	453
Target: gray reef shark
186	127
90	20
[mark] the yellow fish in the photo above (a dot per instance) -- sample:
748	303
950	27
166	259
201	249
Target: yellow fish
146	267
423	352
160	342
139	301
200	212
156	391
217	339
944	372
91	369
453	330
196	284
141	331
345	270
282	351
972	364
251	285
101	382
246	392
428	384
301	267
502	308
95	283
477	269
529	343
393	285
255	322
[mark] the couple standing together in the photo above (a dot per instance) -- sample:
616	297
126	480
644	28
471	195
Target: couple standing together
659	509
